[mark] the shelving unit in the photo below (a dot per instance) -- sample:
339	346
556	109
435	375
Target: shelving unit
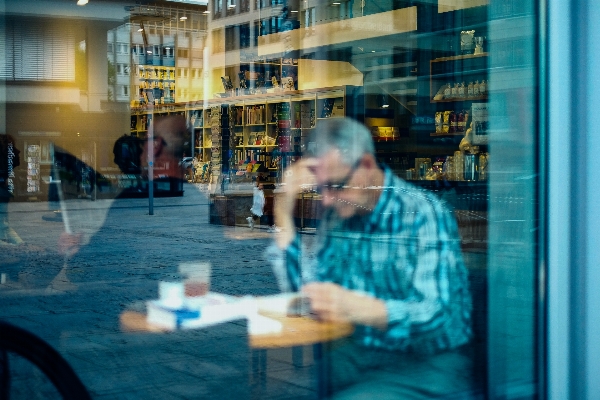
447	134
267	130
260	74
457	69
156	83
140	121
468	69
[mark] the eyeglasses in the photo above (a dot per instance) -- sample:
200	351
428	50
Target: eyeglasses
342	183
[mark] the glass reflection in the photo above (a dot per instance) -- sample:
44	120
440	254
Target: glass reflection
420	239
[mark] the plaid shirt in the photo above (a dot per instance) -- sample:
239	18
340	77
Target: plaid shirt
406	252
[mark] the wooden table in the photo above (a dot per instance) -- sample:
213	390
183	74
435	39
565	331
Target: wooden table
296	332
300	331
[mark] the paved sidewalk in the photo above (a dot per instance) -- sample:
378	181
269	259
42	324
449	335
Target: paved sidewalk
74	304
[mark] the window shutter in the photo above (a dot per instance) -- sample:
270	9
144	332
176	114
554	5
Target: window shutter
37	52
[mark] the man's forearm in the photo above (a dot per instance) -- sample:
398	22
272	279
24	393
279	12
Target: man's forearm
332	302
284	221
369	311
286	236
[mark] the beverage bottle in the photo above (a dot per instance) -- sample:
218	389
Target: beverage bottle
455	91
482	88
453	122
461	91
447	91
461	121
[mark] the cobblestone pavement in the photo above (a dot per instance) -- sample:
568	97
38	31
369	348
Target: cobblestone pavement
74	304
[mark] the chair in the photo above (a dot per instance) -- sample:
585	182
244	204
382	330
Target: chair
41	354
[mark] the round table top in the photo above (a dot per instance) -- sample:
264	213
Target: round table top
300	331
296	331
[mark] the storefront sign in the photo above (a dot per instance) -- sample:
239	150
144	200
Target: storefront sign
11	173
33	168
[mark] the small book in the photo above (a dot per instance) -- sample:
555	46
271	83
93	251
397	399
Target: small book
199	312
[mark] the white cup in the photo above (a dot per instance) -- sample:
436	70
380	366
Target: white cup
171	294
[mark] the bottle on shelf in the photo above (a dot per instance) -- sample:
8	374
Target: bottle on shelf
448	92
461	91
459	160
438	121
448	168
461	121
446	122
483	166
454	93
453	122
476	89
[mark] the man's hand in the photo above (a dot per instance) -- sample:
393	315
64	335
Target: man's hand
294	178
332	302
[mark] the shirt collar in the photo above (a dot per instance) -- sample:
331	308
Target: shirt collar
384	197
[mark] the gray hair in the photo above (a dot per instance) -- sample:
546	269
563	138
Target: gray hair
350	137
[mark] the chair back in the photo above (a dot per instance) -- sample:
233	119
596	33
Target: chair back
14	339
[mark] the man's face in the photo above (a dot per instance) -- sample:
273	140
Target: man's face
342	185
166	146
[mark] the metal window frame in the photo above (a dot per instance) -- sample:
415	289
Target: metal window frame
573	187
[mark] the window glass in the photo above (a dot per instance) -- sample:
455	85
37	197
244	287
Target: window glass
218	8
289	200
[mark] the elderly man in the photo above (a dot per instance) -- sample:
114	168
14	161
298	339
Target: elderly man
388	260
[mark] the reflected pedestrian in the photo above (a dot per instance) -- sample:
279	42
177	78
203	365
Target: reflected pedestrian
258	204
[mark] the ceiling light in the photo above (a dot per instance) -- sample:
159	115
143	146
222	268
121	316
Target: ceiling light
294	11
141	30
196	2
383	101
372	51
182	18
82	2
206	12
336	3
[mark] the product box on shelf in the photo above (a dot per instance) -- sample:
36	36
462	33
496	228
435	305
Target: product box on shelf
480	124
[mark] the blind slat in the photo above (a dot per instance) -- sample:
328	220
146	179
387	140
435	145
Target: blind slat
38	52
